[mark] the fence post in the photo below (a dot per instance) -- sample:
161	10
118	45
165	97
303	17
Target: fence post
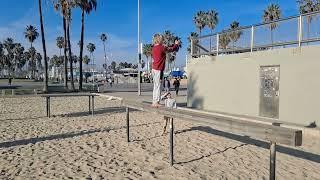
252	38
171	141
13	92
3	92
217	44
127	118
300	31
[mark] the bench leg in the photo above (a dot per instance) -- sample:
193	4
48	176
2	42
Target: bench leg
272	161
92	105
171	141
127	118
89	104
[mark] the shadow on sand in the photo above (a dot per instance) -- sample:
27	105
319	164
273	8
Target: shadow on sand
248	141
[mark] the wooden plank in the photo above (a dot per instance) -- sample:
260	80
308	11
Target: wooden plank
255	130
68	95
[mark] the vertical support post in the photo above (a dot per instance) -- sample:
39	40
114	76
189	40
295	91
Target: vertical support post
218	44
92	105
49	106
127	118
300	31
272	161
171	141
252	38
89	104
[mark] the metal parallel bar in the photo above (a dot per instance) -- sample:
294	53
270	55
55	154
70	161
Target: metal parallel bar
49	107
127	118
171	141
206	50
92	98
218	39
252	38
300	31
89	104
272	161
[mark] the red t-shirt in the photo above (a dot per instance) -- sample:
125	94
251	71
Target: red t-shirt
159	55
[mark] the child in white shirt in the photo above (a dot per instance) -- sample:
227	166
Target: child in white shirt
169	102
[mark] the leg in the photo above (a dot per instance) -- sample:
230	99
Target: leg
171	142
156	86
127	117
89	104
272	161
92	105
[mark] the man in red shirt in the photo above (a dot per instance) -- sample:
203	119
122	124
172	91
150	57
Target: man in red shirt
159	60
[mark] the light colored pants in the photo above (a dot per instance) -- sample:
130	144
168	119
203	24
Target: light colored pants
156	86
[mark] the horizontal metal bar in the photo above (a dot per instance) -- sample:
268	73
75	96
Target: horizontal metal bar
260	24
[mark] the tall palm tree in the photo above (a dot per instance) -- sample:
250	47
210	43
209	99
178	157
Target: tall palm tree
272	13
60	43
211	21
147	51
91	48
8	58
31	34
308	6
18	52
200	20
104	38
86	6
45	88
235	34
224	40
193	35
64	7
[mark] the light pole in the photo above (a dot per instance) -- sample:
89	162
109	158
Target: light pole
139	51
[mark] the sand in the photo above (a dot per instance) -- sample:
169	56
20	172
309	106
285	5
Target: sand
75	145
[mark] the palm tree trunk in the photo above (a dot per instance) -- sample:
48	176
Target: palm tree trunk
70	56
271	35
81	50
45	88
65	55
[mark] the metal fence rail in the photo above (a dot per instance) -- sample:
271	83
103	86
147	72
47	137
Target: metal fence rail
295	31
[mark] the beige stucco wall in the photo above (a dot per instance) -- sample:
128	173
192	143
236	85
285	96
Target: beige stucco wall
230	83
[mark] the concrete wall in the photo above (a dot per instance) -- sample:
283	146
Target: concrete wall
231	83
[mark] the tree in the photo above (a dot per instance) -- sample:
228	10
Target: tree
271	14
147	51
64	6
86	60
113	65
86	6
235	34
32	60
194	36
60	43
211	20
31	34
18	52
308	6
104	38
8	57
168	40
224	40
200	20
45	88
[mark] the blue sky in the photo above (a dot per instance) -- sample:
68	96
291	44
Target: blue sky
118	19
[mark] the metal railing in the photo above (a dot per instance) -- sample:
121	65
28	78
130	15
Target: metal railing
294	31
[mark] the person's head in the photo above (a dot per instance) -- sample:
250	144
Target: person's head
157	39
169	95
176	78
165	78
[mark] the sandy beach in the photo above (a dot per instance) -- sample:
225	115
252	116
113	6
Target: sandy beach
75	145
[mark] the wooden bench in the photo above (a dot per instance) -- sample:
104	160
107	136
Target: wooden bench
271	133
91	100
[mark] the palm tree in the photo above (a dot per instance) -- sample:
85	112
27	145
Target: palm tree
91	48
86	7
200	20
224	40
104	38
235	34
193	35
211	21
18	52
308	6
147	51
8	58
64	7
60	43
31	34
272	13
45	88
